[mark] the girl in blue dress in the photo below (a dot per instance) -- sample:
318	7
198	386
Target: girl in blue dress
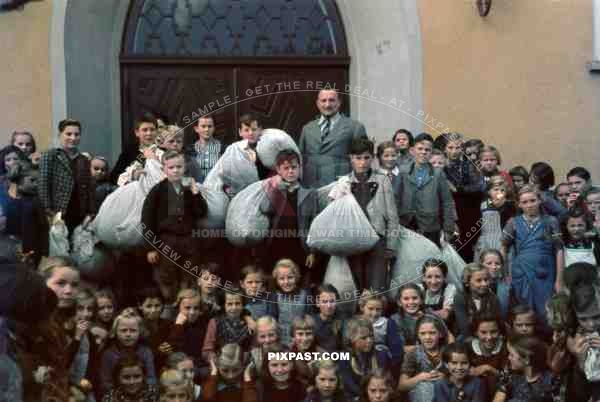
536	269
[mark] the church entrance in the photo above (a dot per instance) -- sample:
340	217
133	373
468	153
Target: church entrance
183	58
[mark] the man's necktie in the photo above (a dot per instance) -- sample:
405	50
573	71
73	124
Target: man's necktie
325	126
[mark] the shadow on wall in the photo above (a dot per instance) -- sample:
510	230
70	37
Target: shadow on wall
9	5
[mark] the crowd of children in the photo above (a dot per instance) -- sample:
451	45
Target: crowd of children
522	324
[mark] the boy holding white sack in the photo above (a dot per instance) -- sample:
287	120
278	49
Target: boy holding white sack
239	166
291	209
373	192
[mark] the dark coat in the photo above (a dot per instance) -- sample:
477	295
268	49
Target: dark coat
325	161
57	180
275	206
427	203
164	222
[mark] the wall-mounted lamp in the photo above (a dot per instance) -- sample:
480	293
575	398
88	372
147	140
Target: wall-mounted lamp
484	7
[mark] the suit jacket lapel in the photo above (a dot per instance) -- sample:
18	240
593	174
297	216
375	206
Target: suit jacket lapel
338	128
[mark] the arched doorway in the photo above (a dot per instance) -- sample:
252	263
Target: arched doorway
182	58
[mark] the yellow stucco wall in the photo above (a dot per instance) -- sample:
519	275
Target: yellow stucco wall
25	88
516	79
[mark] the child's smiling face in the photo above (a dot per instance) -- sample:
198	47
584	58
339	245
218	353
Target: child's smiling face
479	283
428	336
576	228
458	366
434	278
410	301
304	338
286	279
388	158
488	334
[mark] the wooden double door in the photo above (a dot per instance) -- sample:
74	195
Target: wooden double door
282	95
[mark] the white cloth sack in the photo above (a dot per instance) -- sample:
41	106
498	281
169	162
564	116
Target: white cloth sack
342	229
323	195
591	365
94	261
217	203
246	225
413	249
455	264
117	224
233	168
58	240
273	141
339	275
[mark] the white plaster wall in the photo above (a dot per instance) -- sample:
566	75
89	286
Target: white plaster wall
384	41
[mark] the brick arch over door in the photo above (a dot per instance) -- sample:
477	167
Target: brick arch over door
181	58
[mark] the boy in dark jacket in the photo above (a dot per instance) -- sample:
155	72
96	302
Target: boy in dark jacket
169	215
425	203
291	209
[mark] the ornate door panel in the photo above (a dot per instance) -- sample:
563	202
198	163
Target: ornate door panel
179	94
285	97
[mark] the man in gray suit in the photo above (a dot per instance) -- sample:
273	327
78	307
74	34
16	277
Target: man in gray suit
325	142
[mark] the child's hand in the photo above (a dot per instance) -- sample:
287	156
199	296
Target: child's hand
248	371
194	187
213	365
41	375
137	173
181	319
165	348
153	257
251	324
572	198
81	328
310	260
149	153
430	375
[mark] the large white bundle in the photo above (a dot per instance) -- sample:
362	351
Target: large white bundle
455	265
246	225
233	169
413	249
342	229
217	202
339	275
117	224
273	141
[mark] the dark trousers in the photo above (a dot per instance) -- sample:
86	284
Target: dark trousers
370	269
